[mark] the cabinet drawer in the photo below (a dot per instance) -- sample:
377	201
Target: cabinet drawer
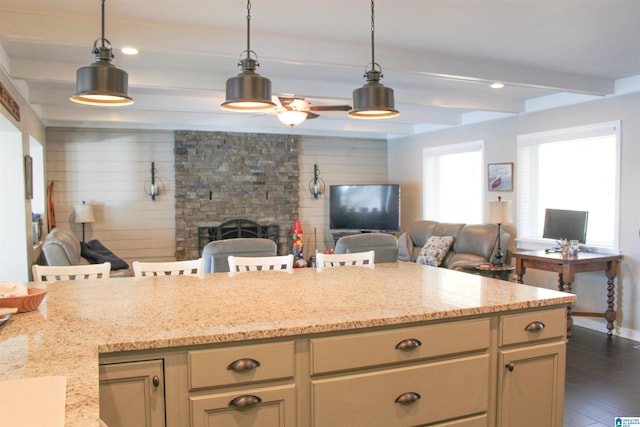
533	326
253	363
277	408
332	354
446	390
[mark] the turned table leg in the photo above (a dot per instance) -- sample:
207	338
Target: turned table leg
566	287
610	314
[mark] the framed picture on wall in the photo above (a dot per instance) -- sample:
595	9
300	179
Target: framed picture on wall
28	177
500	176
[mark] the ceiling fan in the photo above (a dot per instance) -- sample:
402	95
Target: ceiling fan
293	110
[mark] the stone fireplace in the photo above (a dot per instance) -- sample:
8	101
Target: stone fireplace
221	176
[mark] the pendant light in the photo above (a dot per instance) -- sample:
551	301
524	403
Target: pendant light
248	91
101	83
373	100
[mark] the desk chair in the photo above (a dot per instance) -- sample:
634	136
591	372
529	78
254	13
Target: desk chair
216	253
193	267
55	273
282	263
359	259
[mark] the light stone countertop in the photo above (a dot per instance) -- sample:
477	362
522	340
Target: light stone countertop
79	320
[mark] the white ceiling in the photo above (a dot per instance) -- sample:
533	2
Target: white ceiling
439	56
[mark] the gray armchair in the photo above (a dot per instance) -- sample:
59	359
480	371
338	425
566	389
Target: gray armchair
215	254
385	245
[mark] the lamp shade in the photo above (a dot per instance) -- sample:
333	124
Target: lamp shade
500	211
292	117
248	91
84	213
103	84
373	101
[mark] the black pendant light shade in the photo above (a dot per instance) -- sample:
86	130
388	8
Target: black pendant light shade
101	83
248	91
373	100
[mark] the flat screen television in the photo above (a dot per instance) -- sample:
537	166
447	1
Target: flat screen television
371	207
564	224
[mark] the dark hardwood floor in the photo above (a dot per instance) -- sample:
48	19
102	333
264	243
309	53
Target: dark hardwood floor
603	379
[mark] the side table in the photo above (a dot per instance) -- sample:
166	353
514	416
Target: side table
496	271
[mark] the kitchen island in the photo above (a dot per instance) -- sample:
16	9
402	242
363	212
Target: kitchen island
473	324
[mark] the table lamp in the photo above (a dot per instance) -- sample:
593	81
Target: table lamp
84	214
499	213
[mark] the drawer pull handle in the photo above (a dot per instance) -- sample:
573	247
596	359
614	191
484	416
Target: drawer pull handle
243	365
510	366
534	327
407	398
408	344
156	381
245	401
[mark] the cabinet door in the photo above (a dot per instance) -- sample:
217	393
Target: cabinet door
261	407
532	385
132	394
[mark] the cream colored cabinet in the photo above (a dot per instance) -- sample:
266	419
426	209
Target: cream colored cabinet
408	376
531	365
249	385
132	394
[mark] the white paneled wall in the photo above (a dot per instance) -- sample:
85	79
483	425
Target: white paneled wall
341	161
110	170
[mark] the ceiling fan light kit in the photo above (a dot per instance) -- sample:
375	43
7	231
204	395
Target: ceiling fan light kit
102	83
248	91
373	100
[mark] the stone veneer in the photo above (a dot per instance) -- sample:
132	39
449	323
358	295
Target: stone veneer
221	176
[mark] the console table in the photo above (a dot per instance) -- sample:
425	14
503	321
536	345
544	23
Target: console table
567	267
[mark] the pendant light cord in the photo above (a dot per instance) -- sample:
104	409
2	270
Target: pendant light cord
248	28
373	30
103	39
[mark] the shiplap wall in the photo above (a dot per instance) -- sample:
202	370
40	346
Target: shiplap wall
341	161
108	168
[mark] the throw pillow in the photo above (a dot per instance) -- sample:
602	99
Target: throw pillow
434	251
96	253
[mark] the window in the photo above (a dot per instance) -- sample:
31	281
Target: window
573	169
453	183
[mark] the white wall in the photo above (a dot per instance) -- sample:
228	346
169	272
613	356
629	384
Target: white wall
500	138
17	251
108	169
341	161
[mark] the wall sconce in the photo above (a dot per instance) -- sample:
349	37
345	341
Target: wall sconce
316	184
84	214
151	187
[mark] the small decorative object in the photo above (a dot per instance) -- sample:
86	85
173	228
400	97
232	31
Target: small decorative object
499	213
24	303
500	176
84	214
574	248
298	260
316	184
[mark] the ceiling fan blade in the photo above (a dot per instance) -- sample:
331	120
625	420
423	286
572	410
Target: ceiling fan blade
311	115
330	108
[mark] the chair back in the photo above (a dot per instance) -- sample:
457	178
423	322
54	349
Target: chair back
193	267
282	263
216	253
359	259
55	273
385	245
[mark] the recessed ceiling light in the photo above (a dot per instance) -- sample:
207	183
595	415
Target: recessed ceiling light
129	51
497	85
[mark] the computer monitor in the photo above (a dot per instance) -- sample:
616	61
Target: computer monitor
560	224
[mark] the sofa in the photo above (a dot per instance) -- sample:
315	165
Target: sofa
62	247
472	244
